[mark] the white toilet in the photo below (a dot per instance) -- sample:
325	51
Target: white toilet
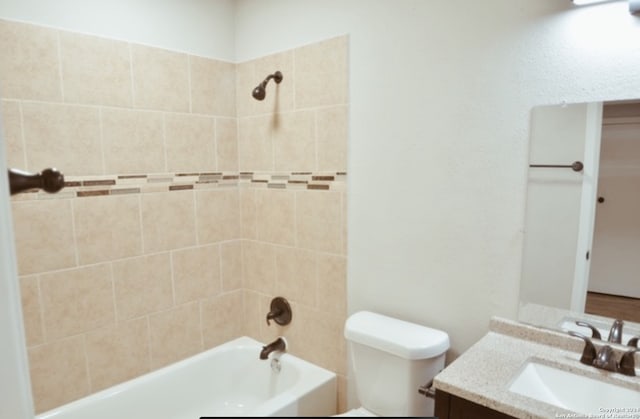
391	359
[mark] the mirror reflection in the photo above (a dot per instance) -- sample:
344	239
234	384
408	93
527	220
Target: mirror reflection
581	257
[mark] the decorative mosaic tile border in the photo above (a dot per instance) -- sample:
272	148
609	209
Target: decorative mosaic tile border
85	186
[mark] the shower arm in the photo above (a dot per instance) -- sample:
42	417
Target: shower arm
277	77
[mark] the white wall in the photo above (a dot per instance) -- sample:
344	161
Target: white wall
441	92
200	27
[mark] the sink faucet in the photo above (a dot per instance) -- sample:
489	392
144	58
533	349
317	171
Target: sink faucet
605	357
615	333
277	345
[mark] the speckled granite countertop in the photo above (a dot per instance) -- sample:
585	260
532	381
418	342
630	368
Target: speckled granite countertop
484	372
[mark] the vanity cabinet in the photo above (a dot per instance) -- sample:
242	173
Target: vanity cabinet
449	406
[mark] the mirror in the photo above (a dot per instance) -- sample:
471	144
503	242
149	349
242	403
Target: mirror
581	252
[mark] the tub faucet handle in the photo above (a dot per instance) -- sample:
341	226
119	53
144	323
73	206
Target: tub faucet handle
280	312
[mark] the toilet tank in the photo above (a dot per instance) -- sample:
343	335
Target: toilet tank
391	359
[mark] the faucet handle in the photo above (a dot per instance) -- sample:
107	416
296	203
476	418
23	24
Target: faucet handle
280	312
589	353
627	363
595	333
606	359
615	334
633	341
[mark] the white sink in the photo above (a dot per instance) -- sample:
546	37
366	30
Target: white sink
573	392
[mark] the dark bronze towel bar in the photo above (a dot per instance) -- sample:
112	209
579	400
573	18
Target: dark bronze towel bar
576	166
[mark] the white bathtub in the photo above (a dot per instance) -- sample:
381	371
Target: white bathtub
228	380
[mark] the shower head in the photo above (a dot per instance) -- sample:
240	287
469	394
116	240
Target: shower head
259	92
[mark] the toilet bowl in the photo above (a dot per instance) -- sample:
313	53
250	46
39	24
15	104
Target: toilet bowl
390	360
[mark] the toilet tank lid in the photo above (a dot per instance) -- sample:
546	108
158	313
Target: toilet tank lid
404	339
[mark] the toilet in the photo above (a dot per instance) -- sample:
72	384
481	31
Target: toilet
390	360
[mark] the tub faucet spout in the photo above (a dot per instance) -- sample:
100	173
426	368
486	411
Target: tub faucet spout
277	345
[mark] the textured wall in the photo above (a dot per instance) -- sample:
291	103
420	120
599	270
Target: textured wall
440	98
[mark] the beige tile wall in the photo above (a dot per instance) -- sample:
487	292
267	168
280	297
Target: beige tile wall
294	240
118	285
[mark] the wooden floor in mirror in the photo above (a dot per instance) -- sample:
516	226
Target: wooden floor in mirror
613	306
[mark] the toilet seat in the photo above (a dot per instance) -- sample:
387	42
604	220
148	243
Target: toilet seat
359	412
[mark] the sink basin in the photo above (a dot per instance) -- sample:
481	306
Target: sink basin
572	391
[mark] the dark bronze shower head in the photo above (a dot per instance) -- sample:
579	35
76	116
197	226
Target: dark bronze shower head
259	92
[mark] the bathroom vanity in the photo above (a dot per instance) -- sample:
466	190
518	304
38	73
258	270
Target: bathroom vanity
449	406
522	371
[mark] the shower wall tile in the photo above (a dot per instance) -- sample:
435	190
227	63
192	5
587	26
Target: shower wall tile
44	235
95	70
30	68
142	285
217	215
168	221
246	81
255	143
175	334
332	124
231	265
214	203
259	263
12	133
107	228
248	213
133	141
31	310
322	74
253	314
297	275
222	318
276	217
160	79
325	346
63	136
227	144
345	229
332	283
190	141
77	300
319	221
117	353
213	86
58	372
196	273
294	141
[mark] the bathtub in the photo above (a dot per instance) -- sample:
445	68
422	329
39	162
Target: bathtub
228	380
